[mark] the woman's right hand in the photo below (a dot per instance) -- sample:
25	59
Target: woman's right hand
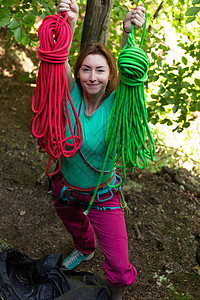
69	6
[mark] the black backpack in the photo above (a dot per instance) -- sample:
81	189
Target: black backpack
23	278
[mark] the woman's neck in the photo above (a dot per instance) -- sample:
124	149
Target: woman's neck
92	104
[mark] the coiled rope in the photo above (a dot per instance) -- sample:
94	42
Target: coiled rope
49	121
127	125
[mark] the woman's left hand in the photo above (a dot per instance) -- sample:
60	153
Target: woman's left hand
69	6
135	16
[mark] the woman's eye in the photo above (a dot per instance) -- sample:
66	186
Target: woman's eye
86	70
100	70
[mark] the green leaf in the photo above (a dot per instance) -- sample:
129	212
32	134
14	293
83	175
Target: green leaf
18	34
163	121
192	11
5	22
197	81
186	124
161	108
195	2
14	24
161	90
34	44
25	40
153	103
183	109
154	121
168	93
9	34
175	109
154	56
154	96
4	12
184	60
169	123
19	15
190	19
9	2
185	84
197	106
29	21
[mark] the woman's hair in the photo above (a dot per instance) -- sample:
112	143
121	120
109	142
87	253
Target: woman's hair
98	48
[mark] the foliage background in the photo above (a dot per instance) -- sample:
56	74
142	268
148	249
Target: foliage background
172	44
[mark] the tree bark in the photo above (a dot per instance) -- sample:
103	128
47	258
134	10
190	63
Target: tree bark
97	21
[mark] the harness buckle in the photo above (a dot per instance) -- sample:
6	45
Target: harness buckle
103	192
65	190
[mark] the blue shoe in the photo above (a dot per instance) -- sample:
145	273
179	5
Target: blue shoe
75	258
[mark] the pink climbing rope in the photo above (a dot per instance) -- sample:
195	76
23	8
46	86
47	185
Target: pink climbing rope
51	98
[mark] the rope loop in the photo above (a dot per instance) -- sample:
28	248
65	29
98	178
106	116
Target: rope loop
133	66
132	62
53	47
53	109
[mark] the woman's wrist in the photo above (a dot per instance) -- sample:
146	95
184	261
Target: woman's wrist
72	24
124	29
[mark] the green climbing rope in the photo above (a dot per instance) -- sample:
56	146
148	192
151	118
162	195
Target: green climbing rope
127	125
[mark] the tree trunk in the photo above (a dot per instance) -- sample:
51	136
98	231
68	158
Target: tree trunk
97	20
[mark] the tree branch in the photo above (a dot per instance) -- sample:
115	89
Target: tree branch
156	14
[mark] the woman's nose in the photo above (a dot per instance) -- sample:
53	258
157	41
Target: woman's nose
93	75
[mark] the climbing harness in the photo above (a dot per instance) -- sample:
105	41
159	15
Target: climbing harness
67	194
51	116
101	191
127	124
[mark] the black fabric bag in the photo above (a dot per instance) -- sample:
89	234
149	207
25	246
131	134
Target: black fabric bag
23	278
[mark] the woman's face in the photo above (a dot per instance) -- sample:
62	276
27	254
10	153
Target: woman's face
94	75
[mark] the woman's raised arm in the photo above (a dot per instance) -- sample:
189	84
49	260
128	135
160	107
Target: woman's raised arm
72	9
135	16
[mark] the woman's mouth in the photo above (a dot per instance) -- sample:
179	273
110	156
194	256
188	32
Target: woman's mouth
92	85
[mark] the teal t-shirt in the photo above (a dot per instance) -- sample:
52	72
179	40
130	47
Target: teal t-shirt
93	148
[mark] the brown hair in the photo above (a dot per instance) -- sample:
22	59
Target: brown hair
98	48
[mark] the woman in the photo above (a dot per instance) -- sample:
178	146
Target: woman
92	93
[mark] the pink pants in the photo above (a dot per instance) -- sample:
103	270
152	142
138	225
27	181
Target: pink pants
110	229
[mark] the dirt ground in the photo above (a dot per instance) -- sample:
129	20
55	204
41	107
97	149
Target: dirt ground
163	226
